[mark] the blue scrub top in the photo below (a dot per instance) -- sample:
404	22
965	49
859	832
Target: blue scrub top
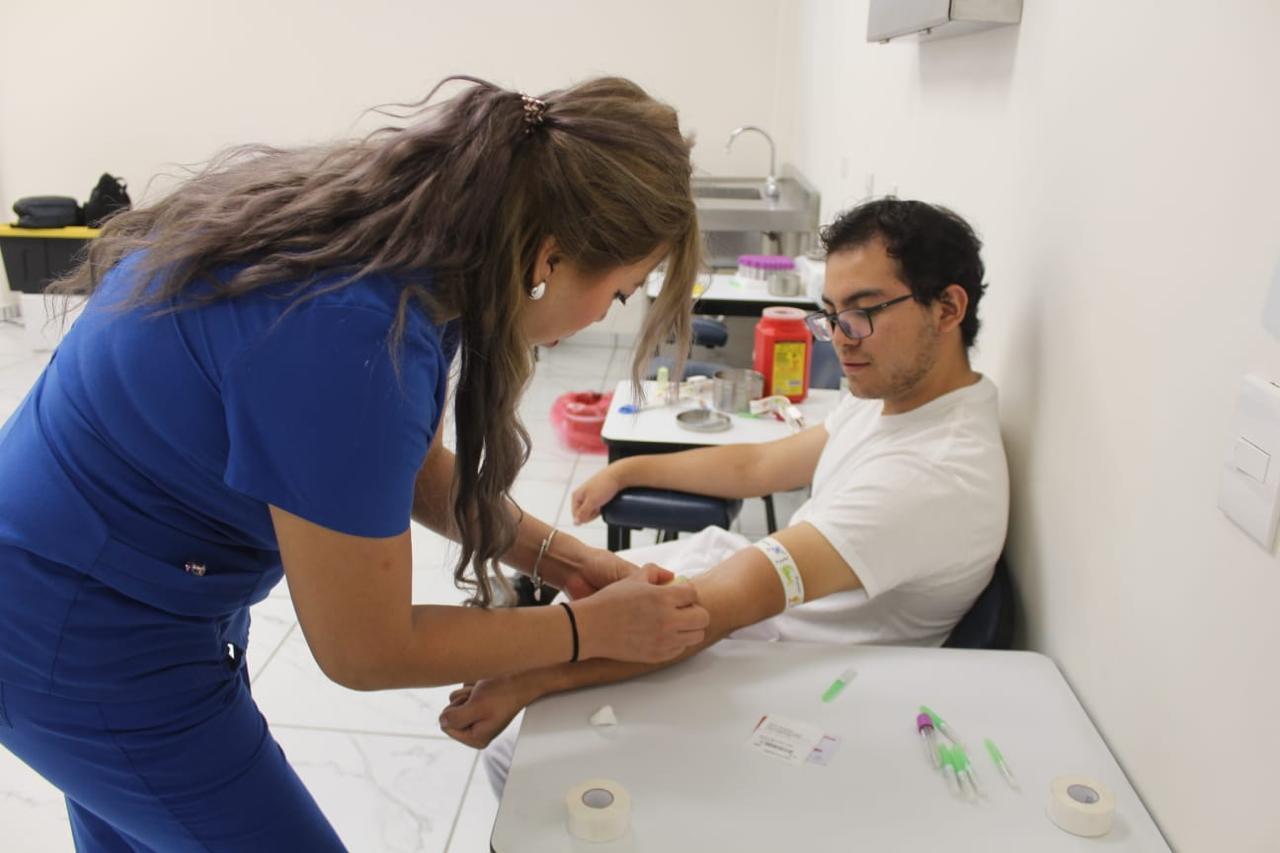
147	453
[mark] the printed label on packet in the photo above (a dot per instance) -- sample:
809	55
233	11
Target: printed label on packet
789	740
824	750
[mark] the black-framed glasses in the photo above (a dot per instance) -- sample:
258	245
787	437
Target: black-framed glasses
854	322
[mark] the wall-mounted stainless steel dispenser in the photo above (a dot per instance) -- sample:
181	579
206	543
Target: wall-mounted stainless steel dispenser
935	19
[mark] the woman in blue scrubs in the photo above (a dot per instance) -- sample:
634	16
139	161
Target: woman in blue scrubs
256	387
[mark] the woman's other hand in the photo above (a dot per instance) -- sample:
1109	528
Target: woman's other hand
644	618
595	568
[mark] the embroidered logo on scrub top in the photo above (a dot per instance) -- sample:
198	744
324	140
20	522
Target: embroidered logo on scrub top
196	569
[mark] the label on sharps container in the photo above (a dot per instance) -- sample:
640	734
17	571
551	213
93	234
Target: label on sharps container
788	369
790	740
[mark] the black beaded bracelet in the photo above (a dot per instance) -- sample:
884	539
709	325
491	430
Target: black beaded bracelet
573	623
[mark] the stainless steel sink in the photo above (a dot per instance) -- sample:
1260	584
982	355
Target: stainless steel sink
705	191
740	204
738	217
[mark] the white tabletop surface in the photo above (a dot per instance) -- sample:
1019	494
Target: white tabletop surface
726	287
679	750
659	426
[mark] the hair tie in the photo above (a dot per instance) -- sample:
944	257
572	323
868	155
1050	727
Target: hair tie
535	110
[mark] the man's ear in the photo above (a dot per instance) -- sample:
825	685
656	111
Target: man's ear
953	303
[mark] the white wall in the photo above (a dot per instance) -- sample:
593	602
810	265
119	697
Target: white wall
134	88
1117	157
1120	161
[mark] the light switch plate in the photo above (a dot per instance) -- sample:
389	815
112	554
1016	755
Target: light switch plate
1251	459
1253	503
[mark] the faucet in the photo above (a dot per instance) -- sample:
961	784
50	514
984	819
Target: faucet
771	182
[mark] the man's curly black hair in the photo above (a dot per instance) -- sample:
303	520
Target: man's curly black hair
933	248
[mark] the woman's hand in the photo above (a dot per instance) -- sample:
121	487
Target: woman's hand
640	619
478	713
590	570
594	494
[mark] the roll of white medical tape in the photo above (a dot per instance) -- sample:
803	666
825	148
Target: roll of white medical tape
1081	806
599	810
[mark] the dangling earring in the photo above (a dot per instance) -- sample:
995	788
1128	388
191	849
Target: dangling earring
539	290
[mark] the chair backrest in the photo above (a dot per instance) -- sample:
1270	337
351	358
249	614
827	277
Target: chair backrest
709	332
989	622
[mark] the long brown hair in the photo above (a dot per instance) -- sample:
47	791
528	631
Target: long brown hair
456	203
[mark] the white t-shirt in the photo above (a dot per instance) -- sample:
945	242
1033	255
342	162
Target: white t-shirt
917	504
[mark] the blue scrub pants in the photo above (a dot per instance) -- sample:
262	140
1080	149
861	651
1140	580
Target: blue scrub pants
190	772
193	770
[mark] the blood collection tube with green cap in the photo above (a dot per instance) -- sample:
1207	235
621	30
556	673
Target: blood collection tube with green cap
1003	766
941	725
964	769
947	760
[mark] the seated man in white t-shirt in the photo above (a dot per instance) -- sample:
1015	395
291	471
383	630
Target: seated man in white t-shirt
910	490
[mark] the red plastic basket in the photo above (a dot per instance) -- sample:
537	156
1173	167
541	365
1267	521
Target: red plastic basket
578	418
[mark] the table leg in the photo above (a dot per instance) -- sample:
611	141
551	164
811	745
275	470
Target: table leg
619	537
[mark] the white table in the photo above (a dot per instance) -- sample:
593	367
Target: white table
679	750
657	431
624	433
727	294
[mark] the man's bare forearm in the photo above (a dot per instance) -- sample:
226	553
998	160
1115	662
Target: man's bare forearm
733	596
730	471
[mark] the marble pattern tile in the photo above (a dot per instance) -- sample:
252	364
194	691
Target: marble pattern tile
8	405
573	362
292	690
542	498
474	826
547	464
33	813
270	622
380	792
593	533
17	378
13	345
431	551
436	586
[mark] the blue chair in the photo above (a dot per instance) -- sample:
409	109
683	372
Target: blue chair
708	332
666	511
989	622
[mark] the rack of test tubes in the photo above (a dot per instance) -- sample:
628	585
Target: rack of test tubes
759	267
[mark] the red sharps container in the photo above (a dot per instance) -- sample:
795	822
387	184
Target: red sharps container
783	352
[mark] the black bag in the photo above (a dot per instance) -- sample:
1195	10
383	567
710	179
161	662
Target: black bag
47	211
107	197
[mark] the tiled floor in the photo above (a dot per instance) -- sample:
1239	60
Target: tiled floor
377	763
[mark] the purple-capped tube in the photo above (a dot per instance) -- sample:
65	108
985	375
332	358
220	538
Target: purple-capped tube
930	738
